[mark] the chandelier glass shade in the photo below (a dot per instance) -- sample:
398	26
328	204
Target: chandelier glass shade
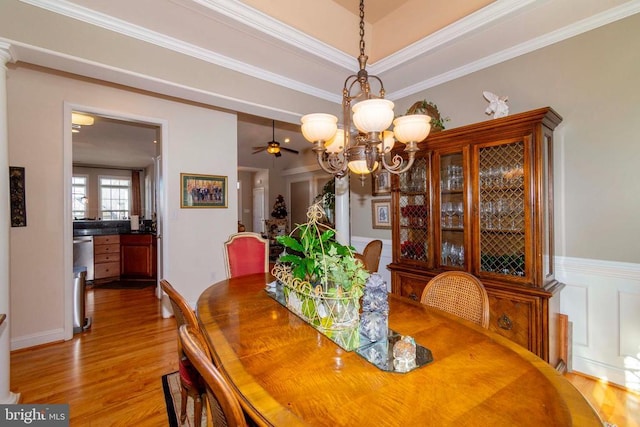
367	147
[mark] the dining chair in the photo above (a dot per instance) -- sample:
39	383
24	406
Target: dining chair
458	293
246	253
370	256
224	407
191	383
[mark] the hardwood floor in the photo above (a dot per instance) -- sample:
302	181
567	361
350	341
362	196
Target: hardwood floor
614	404
110	375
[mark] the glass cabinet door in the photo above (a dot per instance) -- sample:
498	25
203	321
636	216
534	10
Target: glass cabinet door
413	208
502	208
450	211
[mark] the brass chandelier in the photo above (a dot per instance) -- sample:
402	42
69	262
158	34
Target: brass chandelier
368	149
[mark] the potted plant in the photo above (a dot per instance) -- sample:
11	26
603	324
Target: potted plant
323	281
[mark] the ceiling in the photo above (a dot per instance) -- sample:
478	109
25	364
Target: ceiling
311	46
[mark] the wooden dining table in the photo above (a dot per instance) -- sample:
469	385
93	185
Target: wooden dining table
287	373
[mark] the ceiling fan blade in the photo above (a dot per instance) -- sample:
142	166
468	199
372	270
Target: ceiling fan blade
258	149
289	150
278	154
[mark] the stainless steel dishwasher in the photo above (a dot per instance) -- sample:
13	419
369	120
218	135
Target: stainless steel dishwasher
83	254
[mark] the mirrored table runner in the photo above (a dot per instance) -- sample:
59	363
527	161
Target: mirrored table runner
379	353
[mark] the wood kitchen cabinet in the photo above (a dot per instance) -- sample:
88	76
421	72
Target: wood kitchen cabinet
138	255
479	198
106	257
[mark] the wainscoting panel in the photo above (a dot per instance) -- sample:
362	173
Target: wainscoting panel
578	312
602	300
629	320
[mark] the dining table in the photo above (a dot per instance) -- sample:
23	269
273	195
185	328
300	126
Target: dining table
286	372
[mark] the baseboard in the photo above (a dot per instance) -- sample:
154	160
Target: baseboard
602	371
46	337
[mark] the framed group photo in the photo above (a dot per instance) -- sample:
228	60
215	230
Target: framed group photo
381	182
381	213
203	191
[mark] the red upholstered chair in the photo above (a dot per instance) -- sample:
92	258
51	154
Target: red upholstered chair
191	383
246	253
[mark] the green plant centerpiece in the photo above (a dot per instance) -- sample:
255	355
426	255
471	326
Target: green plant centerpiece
322	279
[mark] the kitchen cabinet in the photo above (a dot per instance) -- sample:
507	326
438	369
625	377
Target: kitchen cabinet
138	255
106	257
479	199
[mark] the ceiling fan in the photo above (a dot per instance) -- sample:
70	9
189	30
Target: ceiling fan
273	146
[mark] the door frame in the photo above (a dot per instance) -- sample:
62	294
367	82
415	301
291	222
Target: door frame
68	173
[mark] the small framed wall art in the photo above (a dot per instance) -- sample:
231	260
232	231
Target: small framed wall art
381	213
381	183
203	191
17	197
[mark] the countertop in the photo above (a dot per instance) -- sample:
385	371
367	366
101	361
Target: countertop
104	228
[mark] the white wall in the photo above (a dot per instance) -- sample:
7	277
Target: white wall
192	238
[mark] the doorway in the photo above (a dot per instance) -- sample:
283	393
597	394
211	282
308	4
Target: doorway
114	144
258	210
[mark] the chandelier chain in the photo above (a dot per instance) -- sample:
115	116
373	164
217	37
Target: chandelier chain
361	27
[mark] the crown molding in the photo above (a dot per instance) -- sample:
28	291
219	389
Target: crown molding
270	27
98	19
577	28
472	22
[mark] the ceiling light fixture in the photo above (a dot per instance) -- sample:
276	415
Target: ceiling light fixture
363	153
81	119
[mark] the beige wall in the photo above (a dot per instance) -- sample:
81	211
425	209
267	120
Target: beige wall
592	81
192	238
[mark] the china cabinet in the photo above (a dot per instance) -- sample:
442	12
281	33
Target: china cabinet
479	198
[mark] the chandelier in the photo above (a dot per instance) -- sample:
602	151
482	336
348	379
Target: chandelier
369	149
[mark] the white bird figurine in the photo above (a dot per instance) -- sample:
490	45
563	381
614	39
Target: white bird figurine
497	105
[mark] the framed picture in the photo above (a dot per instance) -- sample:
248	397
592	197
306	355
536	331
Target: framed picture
17	197
381	213
381	182
203	191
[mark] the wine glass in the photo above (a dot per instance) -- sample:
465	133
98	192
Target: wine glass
460	214
454	255
444	256
450	211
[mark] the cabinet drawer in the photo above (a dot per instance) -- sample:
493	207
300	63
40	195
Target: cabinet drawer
108	257
106	249
106	240
412	287
513	317
107	269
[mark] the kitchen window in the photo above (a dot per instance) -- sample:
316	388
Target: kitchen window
79	196
115	195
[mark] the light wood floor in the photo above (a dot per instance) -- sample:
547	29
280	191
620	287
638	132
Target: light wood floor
110	375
